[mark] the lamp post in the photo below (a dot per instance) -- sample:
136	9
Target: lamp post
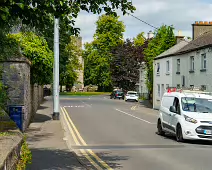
56	113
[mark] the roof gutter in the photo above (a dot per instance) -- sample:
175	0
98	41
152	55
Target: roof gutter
183	52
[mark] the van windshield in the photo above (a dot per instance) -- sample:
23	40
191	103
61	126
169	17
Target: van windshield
196	105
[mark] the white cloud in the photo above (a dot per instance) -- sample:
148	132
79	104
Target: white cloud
181	14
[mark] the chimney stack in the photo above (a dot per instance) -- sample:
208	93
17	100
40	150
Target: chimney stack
179	37
200	27
150	35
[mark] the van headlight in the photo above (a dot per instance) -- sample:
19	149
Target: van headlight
189	119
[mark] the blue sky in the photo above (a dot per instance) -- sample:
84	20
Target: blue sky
181	14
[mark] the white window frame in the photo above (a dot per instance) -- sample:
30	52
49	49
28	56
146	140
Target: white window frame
178	65
192	63
167	66
203	61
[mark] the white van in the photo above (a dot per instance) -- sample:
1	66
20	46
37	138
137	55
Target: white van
187	114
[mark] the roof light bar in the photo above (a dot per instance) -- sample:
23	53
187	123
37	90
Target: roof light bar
188	90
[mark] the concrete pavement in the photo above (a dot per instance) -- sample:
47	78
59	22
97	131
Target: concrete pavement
47	143
116	134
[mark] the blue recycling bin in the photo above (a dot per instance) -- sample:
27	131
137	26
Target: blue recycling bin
16	114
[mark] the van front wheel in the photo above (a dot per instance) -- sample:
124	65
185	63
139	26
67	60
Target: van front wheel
179	134
160	129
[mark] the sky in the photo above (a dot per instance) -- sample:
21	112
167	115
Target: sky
179	13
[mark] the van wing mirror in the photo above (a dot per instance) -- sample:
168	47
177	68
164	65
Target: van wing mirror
172	109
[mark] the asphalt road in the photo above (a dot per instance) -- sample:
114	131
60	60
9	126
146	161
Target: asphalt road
113	134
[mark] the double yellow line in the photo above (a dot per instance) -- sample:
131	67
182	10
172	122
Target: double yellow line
76	135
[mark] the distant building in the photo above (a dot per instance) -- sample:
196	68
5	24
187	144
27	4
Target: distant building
79	84
141	85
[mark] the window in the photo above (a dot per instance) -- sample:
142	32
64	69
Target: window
203	61
167	101
199	105
192	63
167	67
178	65
158	68
177	105
203	87
158	90
178	86
167	86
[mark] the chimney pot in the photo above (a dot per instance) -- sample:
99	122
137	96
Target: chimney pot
196	22
206	22
210	22
179	33
201	22
150	35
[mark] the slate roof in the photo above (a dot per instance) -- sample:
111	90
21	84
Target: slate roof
172	50
203	41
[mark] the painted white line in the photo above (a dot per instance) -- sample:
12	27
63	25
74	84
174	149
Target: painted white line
86	104
73	106
134	116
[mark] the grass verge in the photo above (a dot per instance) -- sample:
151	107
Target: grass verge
84	93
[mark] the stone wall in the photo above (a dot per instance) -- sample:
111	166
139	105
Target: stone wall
10	151
16	75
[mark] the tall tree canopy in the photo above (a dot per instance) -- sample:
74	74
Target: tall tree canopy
163	40
39	13
37	51
73	50
97	55
126	63
139	39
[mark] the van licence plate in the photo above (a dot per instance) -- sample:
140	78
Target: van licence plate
208	132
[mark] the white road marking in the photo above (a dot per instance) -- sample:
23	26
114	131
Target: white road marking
86	104
134	116
73	106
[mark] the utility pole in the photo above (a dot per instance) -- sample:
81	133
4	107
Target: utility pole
56	113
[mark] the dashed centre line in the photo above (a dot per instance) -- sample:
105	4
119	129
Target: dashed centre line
135	117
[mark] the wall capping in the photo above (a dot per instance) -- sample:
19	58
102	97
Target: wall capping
17	60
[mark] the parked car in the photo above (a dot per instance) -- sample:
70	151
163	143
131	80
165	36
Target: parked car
131	96
117	94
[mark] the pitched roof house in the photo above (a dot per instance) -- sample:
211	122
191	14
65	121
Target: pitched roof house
185	64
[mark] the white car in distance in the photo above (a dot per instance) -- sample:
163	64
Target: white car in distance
131	96
187	114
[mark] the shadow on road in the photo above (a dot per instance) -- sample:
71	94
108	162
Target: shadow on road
53	160
113	161
146	103
191	142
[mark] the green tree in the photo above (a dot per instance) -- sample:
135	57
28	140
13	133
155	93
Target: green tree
163	40
139	39
38	14
109	34
37	51
70	74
